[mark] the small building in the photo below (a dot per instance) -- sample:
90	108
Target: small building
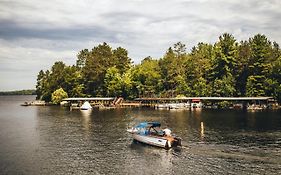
196	103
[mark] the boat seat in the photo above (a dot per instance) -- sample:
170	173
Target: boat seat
161	133
146	132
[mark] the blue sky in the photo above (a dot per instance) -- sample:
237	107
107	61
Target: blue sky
34	34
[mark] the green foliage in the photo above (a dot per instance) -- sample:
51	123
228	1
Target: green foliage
97	61
82	57
259	66
260	55
225	60
224	104
96	65
73	81
182	86
43	86
146	78
226	68
113	82
67	77
223	87
255	86
172	69
199	62
58	95
40	84
118	84
198	65
242	69
201	88
121	59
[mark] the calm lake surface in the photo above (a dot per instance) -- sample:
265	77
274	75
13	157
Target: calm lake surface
54	140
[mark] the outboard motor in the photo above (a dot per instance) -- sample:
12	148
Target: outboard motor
177	141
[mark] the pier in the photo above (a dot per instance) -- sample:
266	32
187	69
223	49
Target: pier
76	102
102	102
241	102
174	103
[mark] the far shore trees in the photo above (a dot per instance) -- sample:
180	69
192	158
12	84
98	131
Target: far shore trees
225	68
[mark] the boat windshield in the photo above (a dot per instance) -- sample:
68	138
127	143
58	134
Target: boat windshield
149	128
148	124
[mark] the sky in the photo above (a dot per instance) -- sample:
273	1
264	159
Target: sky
36	33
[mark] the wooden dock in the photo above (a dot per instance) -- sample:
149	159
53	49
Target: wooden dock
244	102
241	102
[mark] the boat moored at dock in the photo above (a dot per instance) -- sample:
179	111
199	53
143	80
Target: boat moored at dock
86	106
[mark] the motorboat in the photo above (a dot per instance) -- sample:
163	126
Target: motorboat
150	133
25	104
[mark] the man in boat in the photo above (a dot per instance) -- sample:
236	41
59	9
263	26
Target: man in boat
167	132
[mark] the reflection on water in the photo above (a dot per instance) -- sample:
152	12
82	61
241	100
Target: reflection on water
202	131
149	156
54	140
86	113
86	118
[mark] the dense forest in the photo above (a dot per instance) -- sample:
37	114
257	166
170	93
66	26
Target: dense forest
225	68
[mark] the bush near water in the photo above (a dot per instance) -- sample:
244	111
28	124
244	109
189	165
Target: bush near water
225	68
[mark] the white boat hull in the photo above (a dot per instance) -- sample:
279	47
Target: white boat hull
150	140
86	106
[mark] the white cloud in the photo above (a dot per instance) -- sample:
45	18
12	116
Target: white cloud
34	34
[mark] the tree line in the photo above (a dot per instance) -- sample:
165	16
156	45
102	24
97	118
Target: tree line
19	92
225	68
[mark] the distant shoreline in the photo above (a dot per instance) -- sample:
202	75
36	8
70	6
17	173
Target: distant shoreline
19	92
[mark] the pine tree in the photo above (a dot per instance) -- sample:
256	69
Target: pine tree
259	66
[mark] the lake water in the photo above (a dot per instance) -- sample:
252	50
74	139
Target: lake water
54	140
